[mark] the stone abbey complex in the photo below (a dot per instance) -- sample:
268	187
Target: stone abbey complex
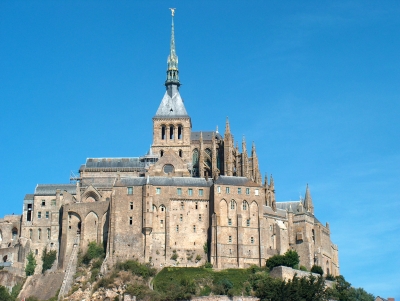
194	197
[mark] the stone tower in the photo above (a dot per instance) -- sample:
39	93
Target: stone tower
172	125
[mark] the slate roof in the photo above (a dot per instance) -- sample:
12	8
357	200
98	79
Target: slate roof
268	210
207	136
50	189
235	181
28	197
113	162
165	181
285	206
172	104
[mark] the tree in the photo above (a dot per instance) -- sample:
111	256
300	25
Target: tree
317	269
289	259
4	294
30	267
48	259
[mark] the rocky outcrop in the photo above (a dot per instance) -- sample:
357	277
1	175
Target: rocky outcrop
41	286
9	279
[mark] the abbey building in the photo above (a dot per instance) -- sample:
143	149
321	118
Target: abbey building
194	197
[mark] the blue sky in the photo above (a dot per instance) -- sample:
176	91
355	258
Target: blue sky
314	83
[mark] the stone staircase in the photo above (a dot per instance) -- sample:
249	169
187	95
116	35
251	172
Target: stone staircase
71	269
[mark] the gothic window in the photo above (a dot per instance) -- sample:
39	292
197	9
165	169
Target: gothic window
163	132
171	132
14	233
245	205
195	159
233	204
180	132
154	208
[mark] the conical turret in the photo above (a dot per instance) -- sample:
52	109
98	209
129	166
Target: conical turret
308	204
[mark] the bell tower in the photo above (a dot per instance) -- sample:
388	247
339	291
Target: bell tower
172	125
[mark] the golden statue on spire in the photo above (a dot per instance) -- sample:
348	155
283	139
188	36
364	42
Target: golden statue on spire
173	11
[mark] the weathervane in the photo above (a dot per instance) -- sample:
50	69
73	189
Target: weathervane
173	11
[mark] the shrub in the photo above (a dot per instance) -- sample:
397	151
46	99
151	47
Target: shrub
174	255
48	259
317	269
30	267
289	259
303	268
143	270
208	265
95	273
94	251
198	257
330	277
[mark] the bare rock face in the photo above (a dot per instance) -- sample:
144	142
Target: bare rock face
8	280
41	286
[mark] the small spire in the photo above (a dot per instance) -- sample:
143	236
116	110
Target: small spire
266	180
253	148
308	204
217	130
172	62
201	136
244	147
272	185
227	126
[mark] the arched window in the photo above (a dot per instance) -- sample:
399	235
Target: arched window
163	132
233	204
179	132
171	132
245	205
14	233
154	208
180	153
161	153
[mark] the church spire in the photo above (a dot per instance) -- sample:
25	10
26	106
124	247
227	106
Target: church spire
172	63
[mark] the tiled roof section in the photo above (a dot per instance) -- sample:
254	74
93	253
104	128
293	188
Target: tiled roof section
165	181
50	189
172	104
207	136
28	197
235	181
285	206
113	162
279	212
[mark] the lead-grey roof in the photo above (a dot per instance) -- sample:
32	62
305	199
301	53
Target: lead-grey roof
28	197
206	136
285	206
50	189
113	162
172	104
165	181
235	181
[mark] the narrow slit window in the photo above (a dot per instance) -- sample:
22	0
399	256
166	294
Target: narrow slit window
171	132
180	133
163	132
130	221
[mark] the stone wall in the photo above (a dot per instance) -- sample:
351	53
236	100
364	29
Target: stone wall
286	273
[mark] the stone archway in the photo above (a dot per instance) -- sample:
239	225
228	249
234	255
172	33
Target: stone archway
91	225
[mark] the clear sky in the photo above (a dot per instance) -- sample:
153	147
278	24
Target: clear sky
315	84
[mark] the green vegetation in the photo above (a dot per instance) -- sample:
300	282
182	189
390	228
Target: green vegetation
174	255
6	296
31	265
317	269
181	283
48	259
139	269
289	259
303	268
94	251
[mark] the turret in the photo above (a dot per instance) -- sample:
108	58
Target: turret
308	204
228	149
